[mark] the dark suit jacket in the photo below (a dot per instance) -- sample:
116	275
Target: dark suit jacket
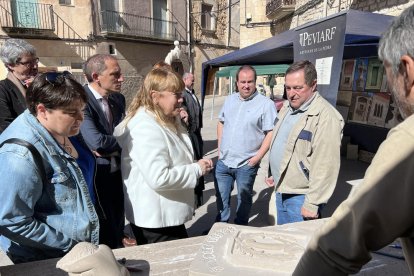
195	123
195	113
96	130
12	103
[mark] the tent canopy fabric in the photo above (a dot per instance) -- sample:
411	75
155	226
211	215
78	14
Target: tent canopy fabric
362	33
231	71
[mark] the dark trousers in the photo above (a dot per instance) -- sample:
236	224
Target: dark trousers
154	235
197	143
110	209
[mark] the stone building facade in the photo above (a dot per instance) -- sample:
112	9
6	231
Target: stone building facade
215	32
261	26
67	32
138	33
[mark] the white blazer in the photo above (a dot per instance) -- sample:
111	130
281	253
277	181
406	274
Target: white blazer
158	170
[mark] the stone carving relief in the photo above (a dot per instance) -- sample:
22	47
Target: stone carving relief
242	250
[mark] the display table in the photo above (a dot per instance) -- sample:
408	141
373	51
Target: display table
172	257
175	258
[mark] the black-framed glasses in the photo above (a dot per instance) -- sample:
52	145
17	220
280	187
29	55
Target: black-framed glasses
29	63
57	77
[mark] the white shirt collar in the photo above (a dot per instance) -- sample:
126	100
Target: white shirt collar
95	93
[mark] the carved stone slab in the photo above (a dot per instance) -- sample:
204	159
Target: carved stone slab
242	250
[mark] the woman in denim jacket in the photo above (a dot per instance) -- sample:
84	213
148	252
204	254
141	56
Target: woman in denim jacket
45	220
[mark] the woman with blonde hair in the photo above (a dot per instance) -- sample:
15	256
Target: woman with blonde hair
157	162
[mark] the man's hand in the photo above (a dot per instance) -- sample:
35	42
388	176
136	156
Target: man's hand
308	214
184	116
270	181
254	161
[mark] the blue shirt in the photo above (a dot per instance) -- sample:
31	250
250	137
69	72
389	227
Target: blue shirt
278	147
245	123
86	163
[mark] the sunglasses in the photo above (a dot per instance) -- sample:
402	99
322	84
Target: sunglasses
57	77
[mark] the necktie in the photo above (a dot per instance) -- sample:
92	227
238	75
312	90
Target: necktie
107	111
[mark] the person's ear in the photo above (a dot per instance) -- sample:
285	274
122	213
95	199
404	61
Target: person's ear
41	111
154	96
95	77
407	64
314	86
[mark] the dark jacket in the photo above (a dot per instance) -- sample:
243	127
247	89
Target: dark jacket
95	128
12	103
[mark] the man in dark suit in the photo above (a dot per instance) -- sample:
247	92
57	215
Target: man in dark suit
105	110
194	125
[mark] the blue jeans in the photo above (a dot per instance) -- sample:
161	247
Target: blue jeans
224	178
288	207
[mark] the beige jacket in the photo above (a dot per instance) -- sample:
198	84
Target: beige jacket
380	211
311	161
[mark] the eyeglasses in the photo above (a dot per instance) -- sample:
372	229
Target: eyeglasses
178	95
57	77
29	63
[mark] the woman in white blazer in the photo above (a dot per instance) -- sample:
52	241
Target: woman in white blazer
157	161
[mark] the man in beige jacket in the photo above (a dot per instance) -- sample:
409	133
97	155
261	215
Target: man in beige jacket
305	151
381	210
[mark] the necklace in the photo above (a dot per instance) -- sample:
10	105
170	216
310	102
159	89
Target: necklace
67	148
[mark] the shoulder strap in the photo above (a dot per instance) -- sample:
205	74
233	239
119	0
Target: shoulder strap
38	159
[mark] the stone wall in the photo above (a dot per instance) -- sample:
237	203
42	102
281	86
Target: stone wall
260	29
209	44
203	54
306	11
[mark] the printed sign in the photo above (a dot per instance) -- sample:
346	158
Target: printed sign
323	45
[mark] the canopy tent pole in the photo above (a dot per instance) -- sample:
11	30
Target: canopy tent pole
214	95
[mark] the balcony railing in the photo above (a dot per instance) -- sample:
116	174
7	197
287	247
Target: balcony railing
126	24
276	9
26	15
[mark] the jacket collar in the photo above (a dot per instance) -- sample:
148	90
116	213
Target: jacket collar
17	82
311	107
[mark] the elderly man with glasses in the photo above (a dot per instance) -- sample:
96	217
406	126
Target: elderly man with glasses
305	149
21	62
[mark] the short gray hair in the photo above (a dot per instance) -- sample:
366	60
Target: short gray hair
96	63
186	75
13	50
398	40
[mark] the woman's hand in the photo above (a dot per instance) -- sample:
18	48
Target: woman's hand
206	165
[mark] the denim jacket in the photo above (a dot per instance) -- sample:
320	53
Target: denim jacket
41	221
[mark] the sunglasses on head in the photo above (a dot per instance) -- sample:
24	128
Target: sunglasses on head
57	77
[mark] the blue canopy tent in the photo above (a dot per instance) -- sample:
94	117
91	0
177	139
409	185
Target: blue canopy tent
362	33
